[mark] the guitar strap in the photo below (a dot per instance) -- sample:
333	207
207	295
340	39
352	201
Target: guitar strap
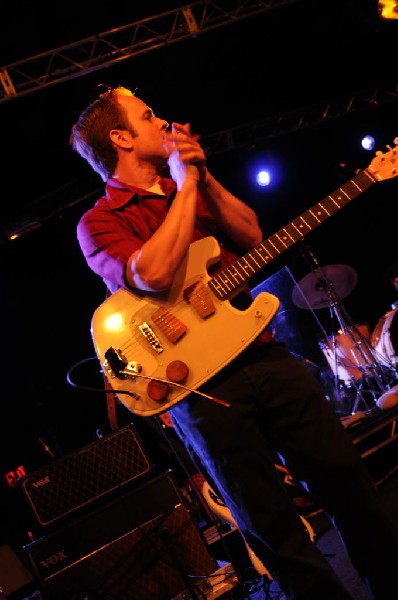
111	406
111	399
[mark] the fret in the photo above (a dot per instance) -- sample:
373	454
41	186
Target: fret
273	245
333	205
303	222
235	273
282	240
226	282
254	260
315	216
328	214
245	261
241	270
266	259
217	288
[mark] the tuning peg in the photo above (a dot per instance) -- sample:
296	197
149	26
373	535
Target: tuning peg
393	150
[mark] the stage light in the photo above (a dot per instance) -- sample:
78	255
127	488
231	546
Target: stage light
388	9
263	177
368	142
264	170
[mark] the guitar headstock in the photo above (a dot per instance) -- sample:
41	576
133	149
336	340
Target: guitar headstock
385	164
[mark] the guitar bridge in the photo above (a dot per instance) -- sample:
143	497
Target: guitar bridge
151	337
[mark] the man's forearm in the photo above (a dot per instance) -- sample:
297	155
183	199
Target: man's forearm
236	218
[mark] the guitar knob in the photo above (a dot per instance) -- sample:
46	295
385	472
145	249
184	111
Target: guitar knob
157	390
177	371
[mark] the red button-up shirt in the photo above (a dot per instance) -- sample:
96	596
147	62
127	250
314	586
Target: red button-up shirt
126	217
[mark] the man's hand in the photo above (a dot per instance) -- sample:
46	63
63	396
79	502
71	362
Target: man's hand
186	156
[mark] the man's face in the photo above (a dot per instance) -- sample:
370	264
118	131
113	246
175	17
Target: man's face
148	142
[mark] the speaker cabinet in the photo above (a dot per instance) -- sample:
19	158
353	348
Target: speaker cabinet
143	546
78	479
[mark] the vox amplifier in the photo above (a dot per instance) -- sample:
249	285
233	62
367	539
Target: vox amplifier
142	546
78	479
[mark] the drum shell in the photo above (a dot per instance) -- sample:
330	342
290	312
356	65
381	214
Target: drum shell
349	354
385	339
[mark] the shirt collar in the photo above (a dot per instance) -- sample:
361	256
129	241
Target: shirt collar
118	193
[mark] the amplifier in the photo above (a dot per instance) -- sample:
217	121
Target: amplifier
78	479
144	545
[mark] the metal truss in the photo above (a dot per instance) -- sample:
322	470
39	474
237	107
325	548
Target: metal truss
104	49
57	203
253	133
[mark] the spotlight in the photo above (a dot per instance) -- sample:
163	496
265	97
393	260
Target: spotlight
263	178
388	9
368	142
264	170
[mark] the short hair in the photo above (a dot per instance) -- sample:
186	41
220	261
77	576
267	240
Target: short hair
90	134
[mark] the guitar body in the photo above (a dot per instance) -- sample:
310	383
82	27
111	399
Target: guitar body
207	345
155	349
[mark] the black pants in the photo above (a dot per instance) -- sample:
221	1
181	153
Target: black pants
278	406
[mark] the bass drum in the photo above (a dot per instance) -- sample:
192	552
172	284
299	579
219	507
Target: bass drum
349	354
385	339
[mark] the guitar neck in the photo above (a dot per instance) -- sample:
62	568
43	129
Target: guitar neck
226	283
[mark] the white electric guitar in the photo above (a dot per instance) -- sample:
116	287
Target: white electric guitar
156	349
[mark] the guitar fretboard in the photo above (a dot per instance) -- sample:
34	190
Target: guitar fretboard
224	284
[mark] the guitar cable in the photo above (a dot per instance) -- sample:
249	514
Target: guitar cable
132	394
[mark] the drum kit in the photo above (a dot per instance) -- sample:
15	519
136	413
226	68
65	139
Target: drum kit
362	362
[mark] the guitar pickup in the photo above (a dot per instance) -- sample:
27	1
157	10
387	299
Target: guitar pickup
168	324
119	365
199	297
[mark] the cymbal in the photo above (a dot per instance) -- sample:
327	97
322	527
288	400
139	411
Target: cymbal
324	286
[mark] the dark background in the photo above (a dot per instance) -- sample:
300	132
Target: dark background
298	59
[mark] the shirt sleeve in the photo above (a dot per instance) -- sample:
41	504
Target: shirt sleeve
107	243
